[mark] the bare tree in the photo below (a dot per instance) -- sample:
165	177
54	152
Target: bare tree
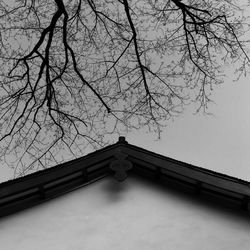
73	72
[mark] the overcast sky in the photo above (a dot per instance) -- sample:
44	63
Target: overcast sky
220	142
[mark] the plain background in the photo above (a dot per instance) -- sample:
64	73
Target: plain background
134	214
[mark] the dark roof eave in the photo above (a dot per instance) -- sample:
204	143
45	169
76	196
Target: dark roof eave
62	178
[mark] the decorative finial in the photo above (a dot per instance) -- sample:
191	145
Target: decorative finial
122	139
120	166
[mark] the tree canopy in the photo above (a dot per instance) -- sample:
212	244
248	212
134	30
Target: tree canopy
74	72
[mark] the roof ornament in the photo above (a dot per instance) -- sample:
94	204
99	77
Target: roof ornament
120	166
122	140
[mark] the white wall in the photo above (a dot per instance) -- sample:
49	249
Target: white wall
134	214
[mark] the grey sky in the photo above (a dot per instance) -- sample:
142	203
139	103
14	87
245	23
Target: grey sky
220	142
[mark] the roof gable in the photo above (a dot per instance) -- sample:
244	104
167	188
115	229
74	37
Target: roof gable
118	160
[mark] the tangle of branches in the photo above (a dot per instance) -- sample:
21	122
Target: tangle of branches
74	72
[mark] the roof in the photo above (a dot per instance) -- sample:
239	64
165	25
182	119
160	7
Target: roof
120	160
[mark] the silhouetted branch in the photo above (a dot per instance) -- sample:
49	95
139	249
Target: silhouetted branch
74	72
